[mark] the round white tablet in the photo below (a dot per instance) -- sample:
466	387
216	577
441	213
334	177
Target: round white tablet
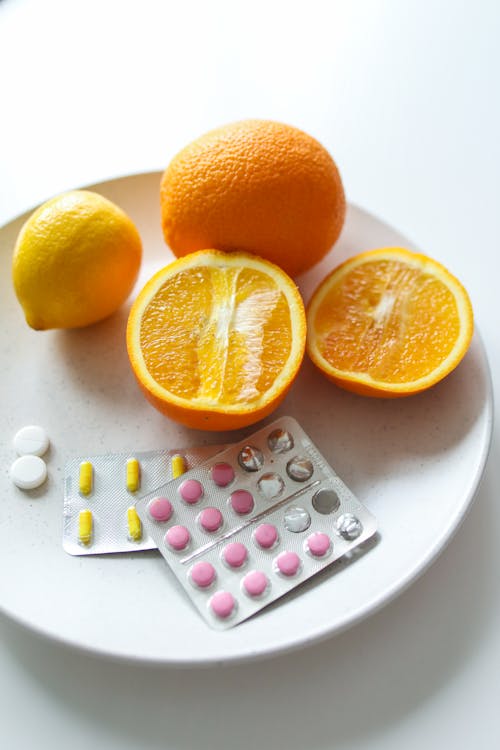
28	472
31	440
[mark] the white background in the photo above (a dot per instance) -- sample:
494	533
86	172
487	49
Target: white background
405	95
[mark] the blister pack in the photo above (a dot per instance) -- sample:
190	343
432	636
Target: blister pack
100	492
253	522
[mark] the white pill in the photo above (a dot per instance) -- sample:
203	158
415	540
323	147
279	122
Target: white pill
31	441
28	472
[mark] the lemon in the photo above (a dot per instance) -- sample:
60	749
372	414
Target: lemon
75	262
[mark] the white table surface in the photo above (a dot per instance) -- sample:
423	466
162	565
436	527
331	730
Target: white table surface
405	95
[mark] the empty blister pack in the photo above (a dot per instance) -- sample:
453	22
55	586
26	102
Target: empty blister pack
253	522
100	492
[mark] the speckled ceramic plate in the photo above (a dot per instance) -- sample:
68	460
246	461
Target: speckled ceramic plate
415	463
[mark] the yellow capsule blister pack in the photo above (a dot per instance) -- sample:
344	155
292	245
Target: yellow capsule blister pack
100	493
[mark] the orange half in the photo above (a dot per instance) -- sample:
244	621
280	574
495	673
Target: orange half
215	340
389	322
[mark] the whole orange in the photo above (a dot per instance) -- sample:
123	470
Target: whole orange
258	186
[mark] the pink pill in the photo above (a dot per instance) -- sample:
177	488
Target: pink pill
202	574
235	554
255	583
191	490
177	537
160	509
318	544
222	474
266	535
241	501
210	519
222	604
288	563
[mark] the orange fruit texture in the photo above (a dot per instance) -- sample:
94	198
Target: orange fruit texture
258	186
388	323
215	340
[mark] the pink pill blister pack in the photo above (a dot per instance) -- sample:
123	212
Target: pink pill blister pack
100	492
246	526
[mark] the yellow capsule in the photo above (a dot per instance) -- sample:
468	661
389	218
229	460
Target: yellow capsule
133	474
178	466
85	525
86	477
134	524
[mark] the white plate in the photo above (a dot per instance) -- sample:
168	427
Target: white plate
414	462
